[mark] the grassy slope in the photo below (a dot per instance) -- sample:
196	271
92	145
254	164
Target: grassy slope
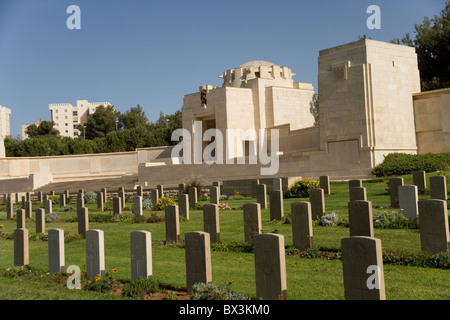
307	279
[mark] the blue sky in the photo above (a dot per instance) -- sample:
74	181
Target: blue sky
153	53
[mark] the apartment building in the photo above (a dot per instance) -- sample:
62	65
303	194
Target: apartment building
67	117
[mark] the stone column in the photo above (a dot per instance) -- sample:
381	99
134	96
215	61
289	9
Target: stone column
211	221
362	263
95	253
198	258
56	257
252	221
141	254
302	230
270	267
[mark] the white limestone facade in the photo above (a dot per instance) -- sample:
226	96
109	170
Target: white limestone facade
67	117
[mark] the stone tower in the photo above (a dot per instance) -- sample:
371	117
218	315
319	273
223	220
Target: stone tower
365	98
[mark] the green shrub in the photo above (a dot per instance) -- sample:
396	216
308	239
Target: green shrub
163	202
155	218
90	196
140	287
393	220
396	164
209	291
300	188
329	220
147	204
51	217
66	208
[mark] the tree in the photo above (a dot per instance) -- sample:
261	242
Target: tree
43	130
314	108
101	122
134	118
432	45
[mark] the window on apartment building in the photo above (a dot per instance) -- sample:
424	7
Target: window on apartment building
67	124
56	117
65	110
67	131
75	113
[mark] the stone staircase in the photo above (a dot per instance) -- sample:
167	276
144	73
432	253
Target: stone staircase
111	184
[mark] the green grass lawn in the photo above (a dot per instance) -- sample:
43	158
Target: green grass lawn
307	279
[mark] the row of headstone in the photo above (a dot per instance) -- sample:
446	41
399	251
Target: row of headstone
438	187
433	218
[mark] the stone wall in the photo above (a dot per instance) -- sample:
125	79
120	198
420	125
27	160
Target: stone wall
432	120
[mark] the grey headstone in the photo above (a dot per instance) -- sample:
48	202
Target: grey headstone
20	218
252	221
408	197
433	223
141	254
183	205
261	195
83	221
56	255
359	256
270	267
137	206
214	195
358	193
192	197
394	183
198	258
317	200
95	254
211	221
360	218
302	230
40	220
117	205
172	224
324	182
276	205
420	180
21	247
438	188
